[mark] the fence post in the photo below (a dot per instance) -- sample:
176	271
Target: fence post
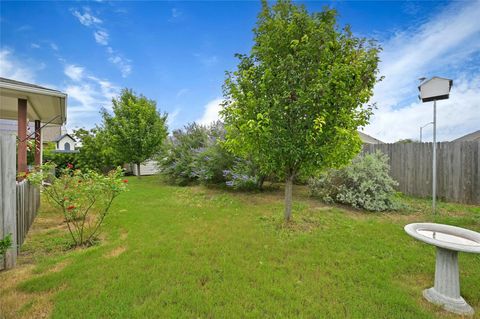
8	218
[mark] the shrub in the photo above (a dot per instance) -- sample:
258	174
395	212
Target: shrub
363	184
177	161
5	244
83	197
61	160
212	159
196	154
242	175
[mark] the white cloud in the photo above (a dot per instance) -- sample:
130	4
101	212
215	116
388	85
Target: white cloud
440	47
101	37
120	62
14	69
182	92
210	113
87	94
172	116
74	72
207	61
35	46
176	13
54	46
25	27
86	98
456	116
86	18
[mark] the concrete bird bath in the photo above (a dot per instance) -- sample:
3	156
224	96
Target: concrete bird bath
449	240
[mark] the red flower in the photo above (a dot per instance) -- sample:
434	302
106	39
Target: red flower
69	166
125	180
70	207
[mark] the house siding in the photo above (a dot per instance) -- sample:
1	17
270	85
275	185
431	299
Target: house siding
149	167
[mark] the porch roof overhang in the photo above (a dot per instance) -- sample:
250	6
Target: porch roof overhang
43	104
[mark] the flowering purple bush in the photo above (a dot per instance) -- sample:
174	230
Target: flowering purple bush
196	154
241	176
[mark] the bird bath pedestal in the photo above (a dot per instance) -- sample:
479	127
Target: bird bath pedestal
449	240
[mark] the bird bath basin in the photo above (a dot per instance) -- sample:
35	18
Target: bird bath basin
449	240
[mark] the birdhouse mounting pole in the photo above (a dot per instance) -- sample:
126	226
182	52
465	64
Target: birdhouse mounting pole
434	164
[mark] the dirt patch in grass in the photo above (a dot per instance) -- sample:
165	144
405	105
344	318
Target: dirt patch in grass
47	238
17	304
117	251
123	234
60	266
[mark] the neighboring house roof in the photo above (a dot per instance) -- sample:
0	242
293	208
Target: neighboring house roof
474	136
63	136
49	132
367	139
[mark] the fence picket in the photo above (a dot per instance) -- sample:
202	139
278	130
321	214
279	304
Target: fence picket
458	169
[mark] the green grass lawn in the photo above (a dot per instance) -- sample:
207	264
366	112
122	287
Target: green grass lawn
195	252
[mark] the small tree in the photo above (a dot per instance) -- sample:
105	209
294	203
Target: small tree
84	198
136	128
295	103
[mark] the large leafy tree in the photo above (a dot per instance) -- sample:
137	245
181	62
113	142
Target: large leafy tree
137	130
295	102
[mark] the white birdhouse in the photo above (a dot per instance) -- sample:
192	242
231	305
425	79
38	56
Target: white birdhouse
435	89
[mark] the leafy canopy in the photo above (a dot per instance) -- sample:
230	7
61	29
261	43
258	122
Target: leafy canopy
97	152
295	102
137	130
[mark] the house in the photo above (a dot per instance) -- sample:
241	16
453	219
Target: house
50	132
474	136
367	139
65	144
22	103
149	167
25	104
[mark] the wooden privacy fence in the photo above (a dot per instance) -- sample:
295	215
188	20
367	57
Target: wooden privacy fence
19	202
8	221
458	169
28	202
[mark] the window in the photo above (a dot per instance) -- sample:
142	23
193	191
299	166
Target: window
67	146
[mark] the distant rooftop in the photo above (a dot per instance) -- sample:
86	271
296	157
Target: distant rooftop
367	139
474	136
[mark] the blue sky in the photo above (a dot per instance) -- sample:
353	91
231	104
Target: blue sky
177	53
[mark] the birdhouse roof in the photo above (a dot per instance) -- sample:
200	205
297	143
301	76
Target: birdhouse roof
436	78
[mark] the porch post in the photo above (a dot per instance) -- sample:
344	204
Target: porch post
38	143
22	136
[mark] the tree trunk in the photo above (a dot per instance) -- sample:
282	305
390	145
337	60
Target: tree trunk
260	182
288	197
138	170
